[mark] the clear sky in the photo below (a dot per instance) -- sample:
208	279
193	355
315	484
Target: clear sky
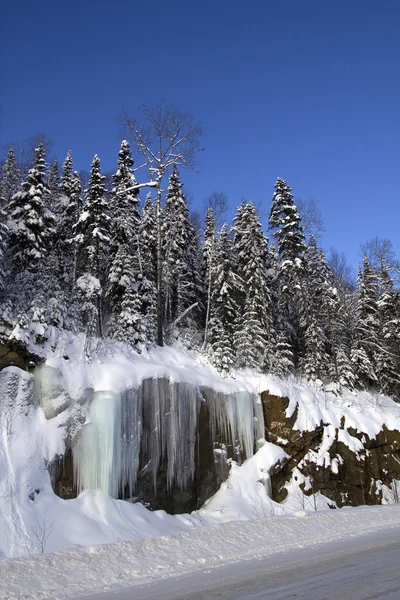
307	90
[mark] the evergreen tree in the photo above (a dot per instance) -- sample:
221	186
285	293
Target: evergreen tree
92	235
181	276
3	238
66	175
53	185
223	306
254	328
367	327
10	180
208	258
387	353
314	318
281	363
124	274
285	223
31	223
148	265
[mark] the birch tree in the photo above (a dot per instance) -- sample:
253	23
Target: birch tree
165	136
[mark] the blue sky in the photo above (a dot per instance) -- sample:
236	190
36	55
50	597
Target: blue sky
305	90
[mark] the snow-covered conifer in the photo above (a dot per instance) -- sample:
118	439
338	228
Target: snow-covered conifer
367	326
223	306
254	325
124	272
10	180
315	358
31	223
92	236
387	353
148	267
285	222
208	259
181	273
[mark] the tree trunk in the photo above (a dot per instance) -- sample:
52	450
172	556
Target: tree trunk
160	337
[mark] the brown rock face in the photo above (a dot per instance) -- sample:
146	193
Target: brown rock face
355	481
16	355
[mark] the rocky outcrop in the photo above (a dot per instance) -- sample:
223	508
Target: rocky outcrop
15	354
349	477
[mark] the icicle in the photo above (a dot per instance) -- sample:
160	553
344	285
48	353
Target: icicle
160	420
131	438
97	456
170	424
238	416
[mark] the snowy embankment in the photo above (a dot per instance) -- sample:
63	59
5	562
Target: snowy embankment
72	573
33	519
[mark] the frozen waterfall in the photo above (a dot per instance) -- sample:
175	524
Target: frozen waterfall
157	425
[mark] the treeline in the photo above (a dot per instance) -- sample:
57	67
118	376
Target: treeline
103	261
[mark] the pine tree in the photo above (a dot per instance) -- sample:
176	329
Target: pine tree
31	223
124	274
92	235
254	327
387	354
53	185
314	318
181	273
148	265
223	305
69	209
208	259
10	180
281	363
3	245
285	223
66	175
367	327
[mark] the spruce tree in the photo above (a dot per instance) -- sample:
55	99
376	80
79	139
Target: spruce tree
31	223
124	273
3	245
367	327
315	359
285	222
208	259
254	325
92	235
223	306
148	266
181	272
388	354
10	180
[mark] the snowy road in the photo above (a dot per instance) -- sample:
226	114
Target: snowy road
350	554
358	569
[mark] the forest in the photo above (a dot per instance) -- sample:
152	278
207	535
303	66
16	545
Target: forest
126	260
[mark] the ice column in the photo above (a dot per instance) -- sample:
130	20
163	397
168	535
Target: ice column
97	456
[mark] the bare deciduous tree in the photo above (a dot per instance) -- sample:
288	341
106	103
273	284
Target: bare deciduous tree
311	218
343	273
164	136
380	251
218	202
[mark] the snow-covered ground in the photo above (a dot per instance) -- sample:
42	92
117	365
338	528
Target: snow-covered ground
76	573
95	542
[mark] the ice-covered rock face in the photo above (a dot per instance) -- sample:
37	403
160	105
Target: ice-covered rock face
156	425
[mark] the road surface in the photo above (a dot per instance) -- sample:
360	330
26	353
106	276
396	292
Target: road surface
366	567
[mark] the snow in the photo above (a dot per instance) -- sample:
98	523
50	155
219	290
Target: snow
79	572
122	539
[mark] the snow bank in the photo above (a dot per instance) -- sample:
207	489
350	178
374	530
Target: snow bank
31	436
95	569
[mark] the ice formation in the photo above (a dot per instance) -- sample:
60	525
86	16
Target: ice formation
157	423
